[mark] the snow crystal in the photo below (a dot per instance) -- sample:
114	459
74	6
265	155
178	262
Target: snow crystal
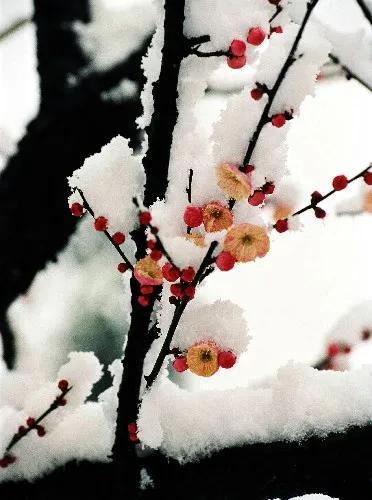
109	180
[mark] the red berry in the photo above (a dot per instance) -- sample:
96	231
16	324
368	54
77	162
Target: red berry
154	230
133	437
177	290
151	244
41	430
21	429
180	364
30	421
368	178
247	169
61	401
4	463
333	349
319	213
236	62
278	120
237	48
170	273
281	225
143	300
257	94
63	385
122	267
366	334
118	238
225	261
193	216
256	36
147	290
190	292
188	274
276	29
257	198
145	218
101	224
346	349
226	359
268	188
77	210
156	254
339	182
316	197
132	428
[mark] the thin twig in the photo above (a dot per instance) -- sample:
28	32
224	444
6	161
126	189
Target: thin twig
279	9
216	53
283	73
188	189
107	234
156	236
312	205
165	349
13	28
21	434
349	73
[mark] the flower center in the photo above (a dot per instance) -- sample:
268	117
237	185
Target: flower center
216	214
205	355
247	239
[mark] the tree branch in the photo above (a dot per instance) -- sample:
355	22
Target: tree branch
367	13
165	349
106	233
349	73
14	28
165	93
273	92
333	191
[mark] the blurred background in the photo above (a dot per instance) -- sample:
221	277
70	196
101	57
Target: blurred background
297	300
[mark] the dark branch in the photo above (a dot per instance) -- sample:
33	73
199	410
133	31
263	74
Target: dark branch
333	191
273	92
165	349
188	189
349	73
164	118
14	28
107	234
58	402
367	13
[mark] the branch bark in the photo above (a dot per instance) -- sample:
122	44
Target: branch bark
165	93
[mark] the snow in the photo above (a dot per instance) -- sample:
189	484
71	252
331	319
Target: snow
290	298
109	180
300	401
116	30
312	497
78	430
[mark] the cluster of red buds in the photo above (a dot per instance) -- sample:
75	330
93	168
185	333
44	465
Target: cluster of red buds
132	432
181	280
34	424
237	52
